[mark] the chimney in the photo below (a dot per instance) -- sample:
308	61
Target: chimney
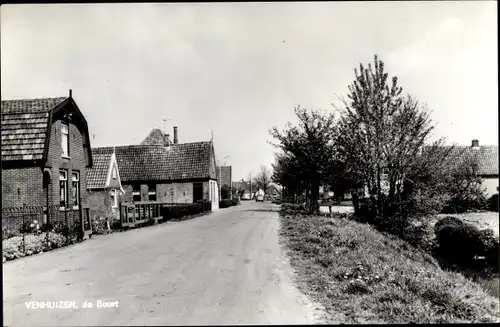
475	144
70	93
167	139
176	140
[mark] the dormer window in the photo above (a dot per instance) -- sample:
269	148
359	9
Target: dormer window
113	173
65	139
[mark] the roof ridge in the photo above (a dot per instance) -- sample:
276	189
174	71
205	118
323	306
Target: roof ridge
32	99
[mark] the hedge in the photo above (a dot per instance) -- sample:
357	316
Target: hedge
181	210
462	243
226	203
493	203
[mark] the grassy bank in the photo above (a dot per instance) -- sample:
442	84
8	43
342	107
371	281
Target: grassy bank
363	276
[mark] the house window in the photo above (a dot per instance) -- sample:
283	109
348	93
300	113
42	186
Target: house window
152	195
114	199
152	192
113	173
63	188
65	139
136	193
75	188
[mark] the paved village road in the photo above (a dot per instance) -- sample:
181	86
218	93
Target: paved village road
223	268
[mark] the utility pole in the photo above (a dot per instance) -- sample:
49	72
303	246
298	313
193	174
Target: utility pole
250	181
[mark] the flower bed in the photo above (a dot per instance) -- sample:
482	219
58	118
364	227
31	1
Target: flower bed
12	248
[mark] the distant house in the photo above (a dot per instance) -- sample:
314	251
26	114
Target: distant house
45	154
168	172
104	184
486	158
274	191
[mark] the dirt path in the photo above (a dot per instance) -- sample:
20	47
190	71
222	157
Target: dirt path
224	268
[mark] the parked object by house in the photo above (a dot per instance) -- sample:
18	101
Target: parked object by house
104	185
259	196
45	154
167	172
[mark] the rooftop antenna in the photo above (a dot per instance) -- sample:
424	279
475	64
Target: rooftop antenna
164	121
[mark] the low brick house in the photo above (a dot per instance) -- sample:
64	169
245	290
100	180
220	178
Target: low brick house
104	184
167	172
45	154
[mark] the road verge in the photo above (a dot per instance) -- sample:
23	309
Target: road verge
363	276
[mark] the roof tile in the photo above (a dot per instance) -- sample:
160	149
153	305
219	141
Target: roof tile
24	127
98	174
486	156
156	162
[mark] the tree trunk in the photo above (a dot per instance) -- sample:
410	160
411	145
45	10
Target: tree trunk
313	205
355	201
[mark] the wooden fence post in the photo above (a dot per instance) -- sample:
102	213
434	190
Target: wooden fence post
24	231
82	222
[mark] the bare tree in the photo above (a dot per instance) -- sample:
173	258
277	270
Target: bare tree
263	178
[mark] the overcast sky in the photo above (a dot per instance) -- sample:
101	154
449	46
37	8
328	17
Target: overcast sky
237	69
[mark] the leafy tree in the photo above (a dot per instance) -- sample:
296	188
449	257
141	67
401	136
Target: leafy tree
464	187
225	192
380	134
307	153
285	173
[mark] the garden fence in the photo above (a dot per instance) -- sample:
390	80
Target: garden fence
29	223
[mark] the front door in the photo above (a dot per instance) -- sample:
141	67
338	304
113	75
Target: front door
197	192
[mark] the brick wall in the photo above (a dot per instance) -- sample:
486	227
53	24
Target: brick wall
22	186
76	162
101	204
167	192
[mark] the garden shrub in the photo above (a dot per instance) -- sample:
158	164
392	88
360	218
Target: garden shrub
8	233
489	247
99	225
61	228
47	227
55	240
460	243
226	203
29	227
493	203
448	221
